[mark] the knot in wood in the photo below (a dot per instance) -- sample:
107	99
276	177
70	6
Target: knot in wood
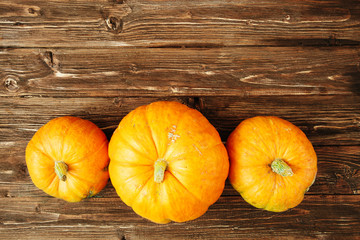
114	15
50	60
134	68
31	11
38	209
117	101
287	18
34	11
11	83
114	24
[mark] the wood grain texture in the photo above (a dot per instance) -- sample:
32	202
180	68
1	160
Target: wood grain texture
327	120
62	23
244	71
338	173
231	60
317	216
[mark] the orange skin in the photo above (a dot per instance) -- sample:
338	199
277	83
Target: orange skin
81	145
197	162
252	147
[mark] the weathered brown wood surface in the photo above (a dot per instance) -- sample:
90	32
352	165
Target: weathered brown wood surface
216	23
231	60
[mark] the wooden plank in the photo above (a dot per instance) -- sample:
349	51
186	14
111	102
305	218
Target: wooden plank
108	218
338	173
327	120
62	23
244	71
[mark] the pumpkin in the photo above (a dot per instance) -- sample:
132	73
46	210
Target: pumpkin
167	162
272	163
67	158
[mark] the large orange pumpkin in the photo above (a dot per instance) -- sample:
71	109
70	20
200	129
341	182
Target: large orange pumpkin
167	162
67	158
272	163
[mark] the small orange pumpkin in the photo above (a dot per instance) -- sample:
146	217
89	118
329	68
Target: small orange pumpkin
67	158
272	163
167	162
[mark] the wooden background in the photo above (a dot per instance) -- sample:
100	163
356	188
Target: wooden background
99	59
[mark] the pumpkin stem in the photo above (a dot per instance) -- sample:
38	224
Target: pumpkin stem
280	167
159	170
61	169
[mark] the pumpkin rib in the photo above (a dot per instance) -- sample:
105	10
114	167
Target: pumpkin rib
63	139
171	160
145	170
121	164
245	188
151	131
267	147
299	187
258	149
306	188
89	187
192	194
66	131
275	133
183	213
33	148
87	155
79	177
128	181
41	140
52	176
70	187
140	190
293	162
259	138
298	192
43	152
141	173
54	179
134	149
177	124
273	191
260	190
149	198
285	153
